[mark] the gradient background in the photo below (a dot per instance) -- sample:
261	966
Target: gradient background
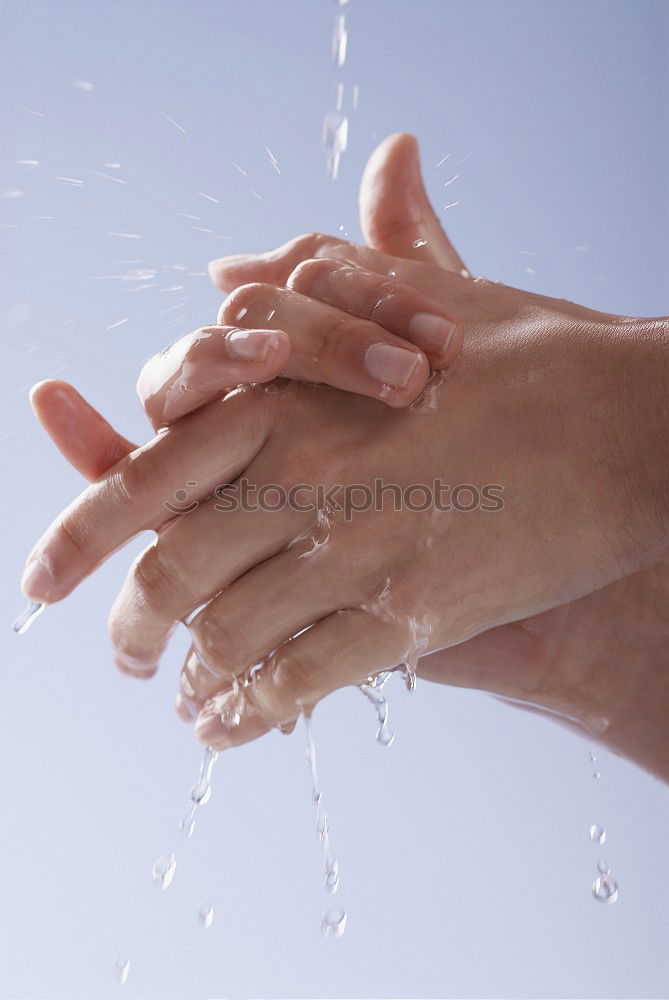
466	866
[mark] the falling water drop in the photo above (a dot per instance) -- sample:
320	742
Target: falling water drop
334	922
163	870
25	620
596	775
121	971
605	888
597	834
593	756
603	867
206	916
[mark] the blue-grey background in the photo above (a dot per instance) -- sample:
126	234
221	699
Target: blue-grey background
466	866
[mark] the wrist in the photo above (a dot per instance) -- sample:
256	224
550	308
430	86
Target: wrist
630	457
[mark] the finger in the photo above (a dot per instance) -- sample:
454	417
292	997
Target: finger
275	267
261	611
343	649
396	308
332	346
79	432
395	212
205	364
194	557
133	494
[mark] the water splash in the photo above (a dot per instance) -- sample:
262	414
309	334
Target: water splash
25	620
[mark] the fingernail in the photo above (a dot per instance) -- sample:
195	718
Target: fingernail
37	579
135	666
431	333
210	729
391	365
251	345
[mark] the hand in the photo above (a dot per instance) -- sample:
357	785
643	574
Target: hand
499	631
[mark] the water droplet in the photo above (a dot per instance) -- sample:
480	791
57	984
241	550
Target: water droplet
385	736
597	834
201	792
331	873
339	40
25	620
605	889
419	243
163	870
593	756
603	867
206	916
121	970
334	922
335	140
596	775
187	826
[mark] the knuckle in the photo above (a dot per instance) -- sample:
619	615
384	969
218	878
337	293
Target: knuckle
241	301
70	535
220	645
128	485
381	300
296	678
334	336
154	577
307	272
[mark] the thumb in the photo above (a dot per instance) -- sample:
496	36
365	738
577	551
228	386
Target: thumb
80	433
395	212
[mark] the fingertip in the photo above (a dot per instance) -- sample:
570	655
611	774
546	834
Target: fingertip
185	708
228	272
137	669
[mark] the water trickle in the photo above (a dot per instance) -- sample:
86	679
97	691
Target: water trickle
334	922
25	620
603	867
121	971
419	643
330	863
163	870
335	140
605	888
597	834
373	692
593	756
200	793
206	916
